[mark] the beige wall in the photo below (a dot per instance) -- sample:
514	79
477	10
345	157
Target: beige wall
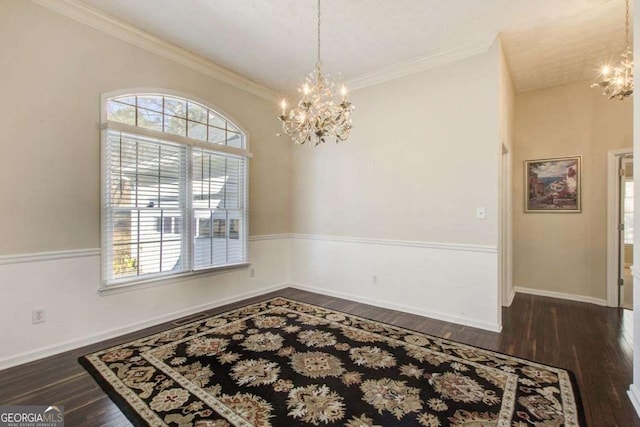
53	71
507	102
422	156
566	252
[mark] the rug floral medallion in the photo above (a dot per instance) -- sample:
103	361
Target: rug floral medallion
287	363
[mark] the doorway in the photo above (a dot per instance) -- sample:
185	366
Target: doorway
626	240
620	229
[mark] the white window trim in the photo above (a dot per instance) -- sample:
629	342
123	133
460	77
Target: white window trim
105	126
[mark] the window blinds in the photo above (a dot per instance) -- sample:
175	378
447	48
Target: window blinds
152	226
218	208
145	206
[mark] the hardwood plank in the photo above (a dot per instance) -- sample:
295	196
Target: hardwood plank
594	342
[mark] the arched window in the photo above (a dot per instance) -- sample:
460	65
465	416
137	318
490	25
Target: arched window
174	188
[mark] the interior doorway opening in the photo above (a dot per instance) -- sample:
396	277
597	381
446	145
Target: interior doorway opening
626	244
620	213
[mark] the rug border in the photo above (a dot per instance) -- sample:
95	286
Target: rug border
125	407
582	419
121	403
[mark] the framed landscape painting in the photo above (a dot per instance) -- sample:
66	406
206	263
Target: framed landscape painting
553	185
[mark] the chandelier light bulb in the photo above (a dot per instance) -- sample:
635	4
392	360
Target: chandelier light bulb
617	81
283	104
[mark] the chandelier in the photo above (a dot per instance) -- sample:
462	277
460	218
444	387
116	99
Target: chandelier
617	82
321	113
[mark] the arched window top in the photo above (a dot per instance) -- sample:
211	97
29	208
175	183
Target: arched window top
174	115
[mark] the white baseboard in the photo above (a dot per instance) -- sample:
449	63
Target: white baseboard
383	304
561	295
634	396
511	297
112	333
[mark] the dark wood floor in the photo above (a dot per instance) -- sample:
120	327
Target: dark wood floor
594	342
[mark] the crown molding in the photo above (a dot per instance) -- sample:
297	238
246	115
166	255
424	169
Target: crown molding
101	21
417	65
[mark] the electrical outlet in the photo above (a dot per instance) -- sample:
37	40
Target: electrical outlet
252	272
374	279
38	315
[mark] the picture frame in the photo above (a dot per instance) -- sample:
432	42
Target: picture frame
553	185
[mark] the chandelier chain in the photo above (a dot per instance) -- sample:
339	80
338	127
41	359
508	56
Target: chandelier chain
319	61
627	30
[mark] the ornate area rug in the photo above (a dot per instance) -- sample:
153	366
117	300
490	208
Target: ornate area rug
286	363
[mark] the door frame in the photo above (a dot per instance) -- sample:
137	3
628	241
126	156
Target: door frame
613	220
505	247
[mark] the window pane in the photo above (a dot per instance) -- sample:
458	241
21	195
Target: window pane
172	256
232	184
628	212
144	174
149	119
197	131
169	192
234	228
131	100
202	242
628	228
219	227
197	113
147	231
175	126
122	191
125	261
121	113
150	102
217	135
234	244
232	128
217	181
124	237
234	140
216	120
175	107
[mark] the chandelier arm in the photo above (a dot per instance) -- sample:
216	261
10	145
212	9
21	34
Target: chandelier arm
617	82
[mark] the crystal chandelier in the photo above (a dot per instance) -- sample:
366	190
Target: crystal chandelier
617	82
321	113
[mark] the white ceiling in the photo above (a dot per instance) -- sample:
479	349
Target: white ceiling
272	42
568	50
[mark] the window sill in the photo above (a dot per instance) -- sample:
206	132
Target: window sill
167	280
